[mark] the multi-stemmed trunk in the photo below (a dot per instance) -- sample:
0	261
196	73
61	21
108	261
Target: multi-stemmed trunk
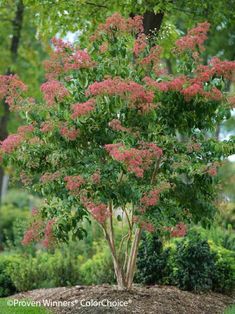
124	270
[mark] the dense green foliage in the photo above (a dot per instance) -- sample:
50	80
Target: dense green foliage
192	264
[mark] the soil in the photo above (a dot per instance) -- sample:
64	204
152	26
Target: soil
146	300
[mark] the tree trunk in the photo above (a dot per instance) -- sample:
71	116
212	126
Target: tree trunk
132	258
152	22
17	24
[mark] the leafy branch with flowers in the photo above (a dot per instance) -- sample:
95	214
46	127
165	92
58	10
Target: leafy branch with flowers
119	139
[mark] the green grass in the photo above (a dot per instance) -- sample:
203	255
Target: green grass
230	310
17	309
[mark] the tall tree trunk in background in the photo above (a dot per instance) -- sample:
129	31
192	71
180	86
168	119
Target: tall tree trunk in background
152	22
17	24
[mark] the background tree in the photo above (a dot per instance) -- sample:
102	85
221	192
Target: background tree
22	54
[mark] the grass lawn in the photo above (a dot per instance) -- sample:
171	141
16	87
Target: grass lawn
230	310
17	309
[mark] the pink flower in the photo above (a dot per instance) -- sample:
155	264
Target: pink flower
11	143
104	47
194	38
148	226
82	109
70	134
179	230
48	233
225	69
11	89
47	126
133	92
49	177
151	198
192	91
74	183
100	211
23	129
212	171
136	160
117	23
152	59
95	178
33	233
54	91
116	125
65	58
140	44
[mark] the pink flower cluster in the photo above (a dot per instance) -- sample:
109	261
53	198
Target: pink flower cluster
222	68
11	89
140	44
179	230
33	233
99	211
54	91
49	177
193	147
118	23
104	47
74	183
132	91
194	38
46	127
116	125
148	226
150	199
175	84
82	109
65	58
136	160
189	88
153	59
24	129
212	171
95	178
70	134
11	143
49	238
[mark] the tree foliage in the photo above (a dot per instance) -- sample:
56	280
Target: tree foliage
117	137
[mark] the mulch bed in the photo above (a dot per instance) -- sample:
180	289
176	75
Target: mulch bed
146	300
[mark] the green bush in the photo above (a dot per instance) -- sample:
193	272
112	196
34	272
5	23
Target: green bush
27	273
44	270
7	286
151	260
99	268
191	263
195	264
9	214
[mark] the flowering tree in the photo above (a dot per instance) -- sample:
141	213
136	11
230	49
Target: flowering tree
119	139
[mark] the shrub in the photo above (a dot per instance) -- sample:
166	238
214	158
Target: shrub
26	273
195	264
44	270
7	286
98	269
9	214
151	260
191	263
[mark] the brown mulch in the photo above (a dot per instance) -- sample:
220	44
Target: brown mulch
147	299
